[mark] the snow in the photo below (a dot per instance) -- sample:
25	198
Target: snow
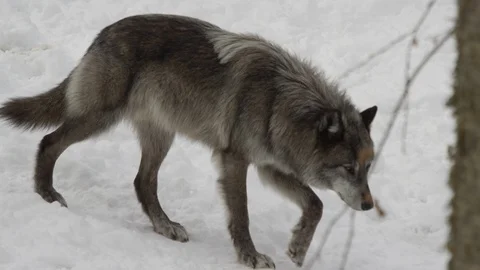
104	227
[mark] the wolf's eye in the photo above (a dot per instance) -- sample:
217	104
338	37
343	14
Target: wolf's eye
368	166
349	168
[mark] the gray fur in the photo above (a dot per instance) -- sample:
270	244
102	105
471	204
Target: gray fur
246	98
42	111
304	197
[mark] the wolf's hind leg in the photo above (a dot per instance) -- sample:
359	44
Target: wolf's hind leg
232	181
73	130
155	143
306	199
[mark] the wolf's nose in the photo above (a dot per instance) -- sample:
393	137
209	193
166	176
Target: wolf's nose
366	206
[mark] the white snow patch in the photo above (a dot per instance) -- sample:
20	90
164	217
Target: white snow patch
104	227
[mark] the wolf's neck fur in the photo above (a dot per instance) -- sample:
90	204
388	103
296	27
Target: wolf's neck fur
298	78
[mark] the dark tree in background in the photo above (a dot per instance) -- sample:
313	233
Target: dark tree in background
464	243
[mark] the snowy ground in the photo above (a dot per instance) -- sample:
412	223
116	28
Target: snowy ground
104	227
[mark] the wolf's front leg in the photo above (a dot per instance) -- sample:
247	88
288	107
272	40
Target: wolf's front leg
306	199
232	181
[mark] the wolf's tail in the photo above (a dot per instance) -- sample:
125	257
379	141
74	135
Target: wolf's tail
41	111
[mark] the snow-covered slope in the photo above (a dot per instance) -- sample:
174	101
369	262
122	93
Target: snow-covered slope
104	227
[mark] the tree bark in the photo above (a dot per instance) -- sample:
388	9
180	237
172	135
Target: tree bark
464	242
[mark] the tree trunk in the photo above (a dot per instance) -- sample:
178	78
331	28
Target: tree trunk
464	242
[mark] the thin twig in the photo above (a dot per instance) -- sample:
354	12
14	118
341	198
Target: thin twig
408	59
348	244
376	54
405	126
328	231
389	45
402	98
424	16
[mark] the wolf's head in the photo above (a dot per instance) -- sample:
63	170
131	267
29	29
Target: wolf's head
317	131
331	149
343	155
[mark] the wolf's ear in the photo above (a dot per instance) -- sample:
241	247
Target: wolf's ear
368	115
330	124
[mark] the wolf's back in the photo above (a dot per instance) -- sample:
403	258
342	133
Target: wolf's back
41	111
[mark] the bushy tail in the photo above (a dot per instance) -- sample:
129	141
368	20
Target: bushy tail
41	111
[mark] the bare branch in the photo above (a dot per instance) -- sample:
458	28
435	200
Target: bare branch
404	95
405	126
348	244
408	57
390	44
328	231
374	55
423	17
427	57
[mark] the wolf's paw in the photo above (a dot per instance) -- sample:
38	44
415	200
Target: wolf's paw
297	254
301	238
256	260
51	195
172	230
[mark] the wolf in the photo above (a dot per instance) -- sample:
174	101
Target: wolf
246	98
